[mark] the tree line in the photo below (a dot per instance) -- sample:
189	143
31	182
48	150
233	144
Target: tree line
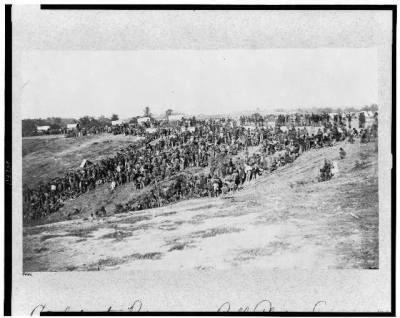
56	124
29	126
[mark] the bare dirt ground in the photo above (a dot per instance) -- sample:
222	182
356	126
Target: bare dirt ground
283	220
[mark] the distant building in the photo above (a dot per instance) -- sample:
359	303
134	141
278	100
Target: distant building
43	129
158	117
143	120
369	118
175	118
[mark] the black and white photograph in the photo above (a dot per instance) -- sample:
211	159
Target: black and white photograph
204	141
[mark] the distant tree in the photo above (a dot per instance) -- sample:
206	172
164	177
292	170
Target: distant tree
147	112
133	120
28	127
86	122
55	123
114	117
373	107
168	112
256	117
102	120
325	110
361	119
350	109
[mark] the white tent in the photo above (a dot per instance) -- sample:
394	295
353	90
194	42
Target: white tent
116	122
271	124
143	119
43	128
369	114
72	126
175	117
332	115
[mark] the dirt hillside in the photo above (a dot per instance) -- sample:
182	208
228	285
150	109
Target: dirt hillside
283	220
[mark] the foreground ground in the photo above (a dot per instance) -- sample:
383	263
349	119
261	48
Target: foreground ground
283	220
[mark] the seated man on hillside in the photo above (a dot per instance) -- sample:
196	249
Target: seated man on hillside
326	171
342	153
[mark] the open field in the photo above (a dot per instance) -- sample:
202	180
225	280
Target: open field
48	157
282	220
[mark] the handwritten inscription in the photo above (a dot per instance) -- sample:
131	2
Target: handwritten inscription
135	307
263	305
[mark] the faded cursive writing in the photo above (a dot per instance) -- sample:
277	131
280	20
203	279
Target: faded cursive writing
262	306
135	307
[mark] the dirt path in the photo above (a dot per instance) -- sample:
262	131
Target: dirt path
283	220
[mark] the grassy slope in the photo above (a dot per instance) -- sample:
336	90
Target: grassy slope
286	219
48	157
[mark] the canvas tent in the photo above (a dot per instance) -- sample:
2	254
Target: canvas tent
175	117
143	120
116	122
86	163
72	126
43	128
271	124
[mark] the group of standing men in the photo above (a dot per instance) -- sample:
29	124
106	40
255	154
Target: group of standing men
170	153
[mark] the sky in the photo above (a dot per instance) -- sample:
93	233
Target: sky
74	83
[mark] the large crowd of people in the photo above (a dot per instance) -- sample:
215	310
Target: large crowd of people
163	160
328	120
